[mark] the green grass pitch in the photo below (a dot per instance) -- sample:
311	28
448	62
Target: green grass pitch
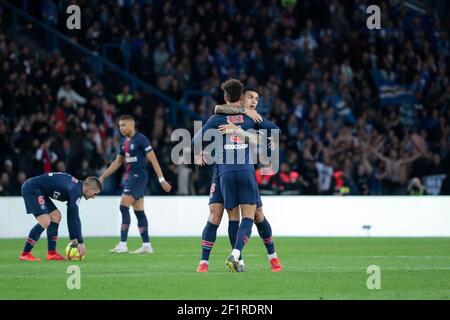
314	268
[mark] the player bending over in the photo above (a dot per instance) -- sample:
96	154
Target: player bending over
237	179
135	149
37	192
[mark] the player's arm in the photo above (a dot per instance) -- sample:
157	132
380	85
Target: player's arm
231	128
74	224
151	156
197	141
233	109
112	167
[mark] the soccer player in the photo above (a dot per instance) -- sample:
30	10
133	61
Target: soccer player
249	103
37	192
237	179
135	150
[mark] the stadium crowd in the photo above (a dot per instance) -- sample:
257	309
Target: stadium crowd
311	62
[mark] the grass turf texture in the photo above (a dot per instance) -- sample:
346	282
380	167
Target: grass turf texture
314	268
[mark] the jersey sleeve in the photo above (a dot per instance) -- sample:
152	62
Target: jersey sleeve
145	144
210	124
121	151
73	219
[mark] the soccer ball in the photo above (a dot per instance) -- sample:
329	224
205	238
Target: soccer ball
72	252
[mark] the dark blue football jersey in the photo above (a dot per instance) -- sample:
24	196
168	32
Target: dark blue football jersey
135	151
62	187
234	154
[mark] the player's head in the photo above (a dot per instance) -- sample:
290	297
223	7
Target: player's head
232	90
126	125
251	98
91	187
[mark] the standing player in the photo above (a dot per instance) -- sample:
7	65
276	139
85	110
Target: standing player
249	103
60	186
237	179
135	149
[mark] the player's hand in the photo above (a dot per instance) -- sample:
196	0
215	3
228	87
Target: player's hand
272	144
166	186
101	179
81	249
199	159
255	116
228	128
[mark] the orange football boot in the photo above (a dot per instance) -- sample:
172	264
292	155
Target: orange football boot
54	255
275	265
202	267
27	256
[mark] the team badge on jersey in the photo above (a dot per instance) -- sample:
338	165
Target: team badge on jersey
132	146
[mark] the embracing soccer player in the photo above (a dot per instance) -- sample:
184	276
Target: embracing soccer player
60	186
135	149
249	103
237	179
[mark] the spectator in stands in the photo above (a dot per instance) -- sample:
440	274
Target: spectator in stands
311	63
72	97
416	188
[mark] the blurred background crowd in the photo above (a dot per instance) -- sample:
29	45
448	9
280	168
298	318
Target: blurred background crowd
316	66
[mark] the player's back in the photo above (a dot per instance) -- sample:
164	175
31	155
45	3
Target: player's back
56	185
234	153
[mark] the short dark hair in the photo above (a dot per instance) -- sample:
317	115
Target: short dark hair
252	89
128	117
93	182
233	89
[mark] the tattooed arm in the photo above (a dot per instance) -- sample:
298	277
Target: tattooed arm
234	109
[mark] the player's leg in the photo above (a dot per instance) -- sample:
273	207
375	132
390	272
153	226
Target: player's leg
138	207
125	203
234	218
209	234
52	232
239	189
265	233
43	221
34	204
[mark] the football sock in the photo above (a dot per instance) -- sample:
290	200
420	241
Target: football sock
125	223
33	237
143	225
243	235
265	232
208	238
52	235
233	227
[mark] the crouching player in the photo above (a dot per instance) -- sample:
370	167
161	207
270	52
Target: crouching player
60	186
